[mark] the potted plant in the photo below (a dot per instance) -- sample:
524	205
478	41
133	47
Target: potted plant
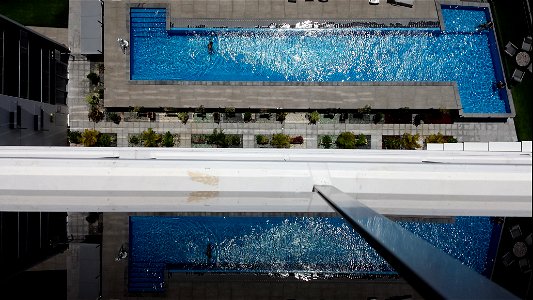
313	117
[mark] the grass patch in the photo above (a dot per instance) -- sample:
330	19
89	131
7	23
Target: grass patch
46	13
512	25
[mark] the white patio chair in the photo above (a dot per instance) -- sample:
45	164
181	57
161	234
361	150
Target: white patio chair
526	44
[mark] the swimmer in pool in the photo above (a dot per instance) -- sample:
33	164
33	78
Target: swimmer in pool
210	47
209	252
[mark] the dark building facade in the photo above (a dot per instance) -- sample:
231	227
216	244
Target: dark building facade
27	238
33	111
33	87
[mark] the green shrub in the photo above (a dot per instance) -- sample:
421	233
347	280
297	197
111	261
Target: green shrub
183	116
74	137
134	140
409	141
418	119
297	140
314	117
105	140
440	139
280	116
89	137
167	140
436	138
114	117
218	138
345	140
364	110
280	140
229	111
169	109
137	109
234	140
326	141
101	93
261	139
93	78
378	117
95	114
391	142
92	99
200	109
361	140
150	138
247	116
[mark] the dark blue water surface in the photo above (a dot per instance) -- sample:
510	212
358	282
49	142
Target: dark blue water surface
296	244
462	53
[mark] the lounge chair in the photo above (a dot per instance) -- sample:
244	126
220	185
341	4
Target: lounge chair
526	44
511	49
408	3
516	232
508	259
518	75
528	240
524	265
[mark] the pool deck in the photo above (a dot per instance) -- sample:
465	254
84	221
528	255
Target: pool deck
122	92
282	9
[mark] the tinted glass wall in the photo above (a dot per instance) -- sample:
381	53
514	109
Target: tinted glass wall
31	66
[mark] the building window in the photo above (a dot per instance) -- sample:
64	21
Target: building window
23	65
45	61
2	62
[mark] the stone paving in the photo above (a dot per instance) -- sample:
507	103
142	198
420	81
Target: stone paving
463	131
282	9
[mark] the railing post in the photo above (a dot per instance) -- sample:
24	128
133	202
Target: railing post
431	272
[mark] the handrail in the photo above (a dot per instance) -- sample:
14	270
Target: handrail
430	271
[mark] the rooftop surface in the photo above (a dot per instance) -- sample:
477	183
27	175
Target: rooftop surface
438	183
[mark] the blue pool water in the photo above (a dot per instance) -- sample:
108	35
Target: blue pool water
285	245
462	53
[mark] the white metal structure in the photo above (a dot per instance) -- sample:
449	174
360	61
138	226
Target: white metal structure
440	183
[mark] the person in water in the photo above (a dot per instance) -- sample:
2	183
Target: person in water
487	25
500	84
209	252
210	47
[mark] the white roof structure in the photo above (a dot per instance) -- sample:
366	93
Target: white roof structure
438	183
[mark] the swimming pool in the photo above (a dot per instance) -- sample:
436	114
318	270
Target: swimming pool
281	245
462	53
